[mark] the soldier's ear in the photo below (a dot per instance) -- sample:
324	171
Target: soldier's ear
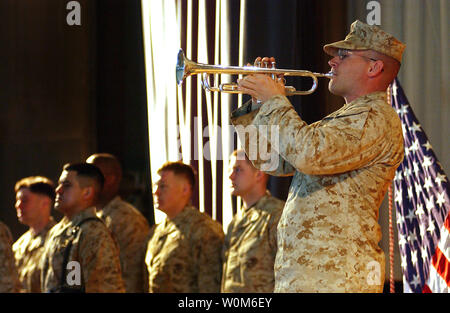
262	177
186	189
88	193
111	180
376	68
259	175
46	201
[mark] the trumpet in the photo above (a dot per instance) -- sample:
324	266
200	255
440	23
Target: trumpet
186	67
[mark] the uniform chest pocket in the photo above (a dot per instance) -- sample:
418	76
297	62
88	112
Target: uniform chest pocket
249	247
350	122
174	245
254	240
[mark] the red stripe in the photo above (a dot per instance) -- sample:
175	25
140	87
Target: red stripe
447	222
426	289
442	265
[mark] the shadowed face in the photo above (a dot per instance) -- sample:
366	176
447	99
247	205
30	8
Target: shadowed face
68	192
242	176
171	192
29	206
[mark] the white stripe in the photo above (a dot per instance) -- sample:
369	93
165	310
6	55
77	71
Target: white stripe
161	43
226	102
436	283
406	288
444	242
242	40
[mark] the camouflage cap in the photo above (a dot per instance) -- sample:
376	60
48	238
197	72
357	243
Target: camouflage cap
364	37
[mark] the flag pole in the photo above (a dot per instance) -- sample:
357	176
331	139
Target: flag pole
391	245
391	229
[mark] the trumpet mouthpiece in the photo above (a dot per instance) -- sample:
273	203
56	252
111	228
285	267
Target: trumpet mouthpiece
180	67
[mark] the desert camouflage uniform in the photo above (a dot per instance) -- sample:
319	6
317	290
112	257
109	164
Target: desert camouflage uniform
28	251
250	247
328	233
9	279
130	229
184	254
93	248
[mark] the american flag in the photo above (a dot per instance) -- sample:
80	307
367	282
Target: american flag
422	202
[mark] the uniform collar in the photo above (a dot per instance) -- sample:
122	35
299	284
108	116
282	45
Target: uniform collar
86	213
181	216
50	224
377	95
258	204
114	202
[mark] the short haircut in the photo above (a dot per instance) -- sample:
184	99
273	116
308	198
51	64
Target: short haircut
241	155
180	169
87	170
108	162
37	184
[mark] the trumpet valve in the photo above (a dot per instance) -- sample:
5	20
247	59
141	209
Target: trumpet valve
273	65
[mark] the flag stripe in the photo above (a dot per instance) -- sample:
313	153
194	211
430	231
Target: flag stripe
444	243
422	201
441	265
435	283
447	223
426	289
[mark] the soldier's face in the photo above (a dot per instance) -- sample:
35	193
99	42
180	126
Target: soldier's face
29	206
350	73
169	193
242	176
68	192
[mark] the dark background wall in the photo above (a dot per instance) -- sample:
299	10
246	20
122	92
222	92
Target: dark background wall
70	91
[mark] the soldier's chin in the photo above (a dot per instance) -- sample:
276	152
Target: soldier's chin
333	88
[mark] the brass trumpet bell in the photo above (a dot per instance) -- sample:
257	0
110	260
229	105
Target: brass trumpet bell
186	67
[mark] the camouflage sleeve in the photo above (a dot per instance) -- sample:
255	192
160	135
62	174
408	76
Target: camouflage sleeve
43	265
326	147
226	241
273	224
145	271
258	148
207	257
99	258
132	247
9	279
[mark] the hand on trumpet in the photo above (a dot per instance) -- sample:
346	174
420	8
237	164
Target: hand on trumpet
262	87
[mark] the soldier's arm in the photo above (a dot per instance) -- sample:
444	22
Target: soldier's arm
99	259
259	150
132	246
331	146
273	224
226	241
9	280
208	261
